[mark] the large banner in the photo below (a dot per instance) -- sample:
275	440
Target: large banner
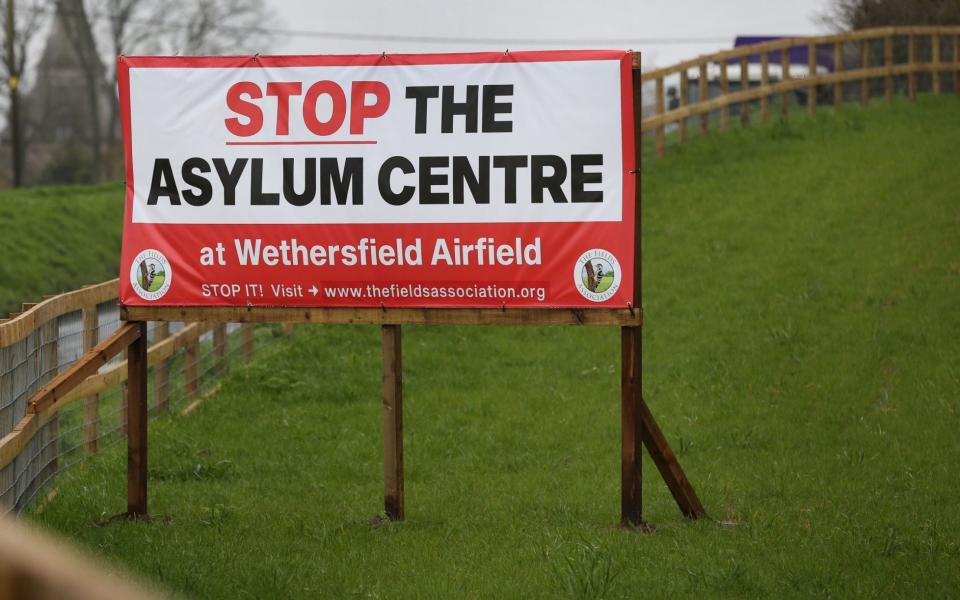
442	180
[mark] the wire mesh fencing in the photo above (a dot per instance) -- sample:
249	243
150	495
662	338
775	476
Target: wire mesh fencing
187	360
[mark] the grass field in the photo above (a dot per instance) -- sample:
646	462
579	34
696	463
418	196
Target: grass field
801	284
57	239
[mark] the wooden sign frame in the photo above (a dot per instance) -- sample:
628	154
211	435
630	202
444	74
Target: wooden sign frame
638	427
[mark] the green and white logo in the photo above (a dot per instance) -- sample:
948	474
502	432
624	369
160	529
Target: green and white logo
597	275
151	275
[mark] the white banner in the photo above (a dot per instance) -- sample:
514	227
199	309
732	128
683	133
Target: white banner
524	142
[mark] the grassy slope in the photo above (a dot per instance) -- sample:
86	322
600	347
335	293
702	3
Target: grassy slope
57	239
801	353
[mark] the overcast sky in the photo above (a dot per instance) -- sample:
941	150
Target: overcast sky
665	31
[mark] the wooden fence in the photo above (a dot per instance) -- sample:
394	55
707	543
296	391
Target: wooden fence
847	66
45	339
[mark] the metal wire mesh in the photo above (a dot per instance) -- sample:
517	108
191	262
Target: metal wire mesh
89	425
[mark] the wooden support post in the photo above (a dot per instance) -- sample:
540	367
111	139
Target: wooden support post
125	400
744	85
631	436
91	417
684	84
661	129
784	76
838	68
392	423
812	73
865	64
935	47
631	373
161	371
724	90
703	92
246	340
764	82
888	63
220	348
912	61
668	466
137	435
191	358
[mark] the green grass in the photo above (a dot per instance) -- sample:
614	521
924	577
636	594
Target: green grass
801	285
57	239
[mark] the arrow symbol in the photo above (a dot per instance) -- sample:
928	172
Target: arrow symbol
313	290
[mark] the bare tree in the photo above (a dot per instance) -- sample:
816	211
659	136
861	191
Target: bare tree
861	14
76	24
20	24
102	30
123	29
178	27
217	27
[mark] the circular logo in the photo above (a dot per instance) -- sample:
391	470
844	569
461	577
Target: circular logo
597	275
151	275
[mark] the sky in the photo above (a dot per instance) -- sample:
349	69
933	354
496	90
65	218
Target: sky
665	31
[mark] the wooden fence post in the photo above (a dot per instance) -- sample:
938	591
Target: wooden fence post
220	348
724	90
191	358
888	63
137	434
865	64
912	60
935	47
392	423
956	62
812	74
161	371
785	76
90	404
684	84
49	366
661	129
744	85
246	340
837	68
764	82
703	93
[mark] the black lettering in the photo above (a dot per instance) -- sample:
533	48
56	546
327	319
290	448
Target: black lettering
579	178
467	109
428	179
163	183
383	181
510	164
421	94
492	108
479	184
553	183
229	179
341	182
190	177
257	196
309	182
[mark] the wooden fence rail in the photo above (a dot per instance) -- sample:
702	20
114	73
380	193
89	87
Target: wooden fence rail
37	382
864	56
